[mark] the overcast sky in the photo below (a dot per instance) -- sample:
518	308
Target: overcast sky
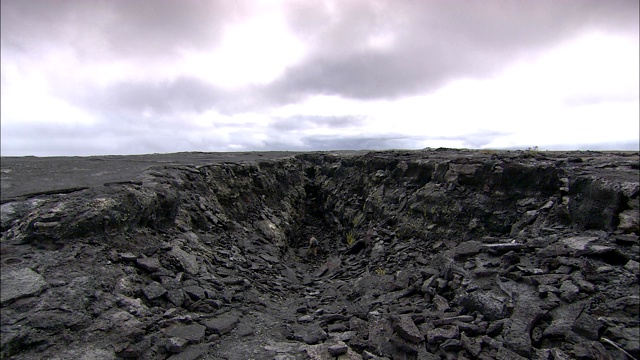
128	77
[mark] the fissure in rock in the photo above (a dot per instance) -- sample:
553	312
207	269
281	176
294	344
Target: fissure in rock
420	255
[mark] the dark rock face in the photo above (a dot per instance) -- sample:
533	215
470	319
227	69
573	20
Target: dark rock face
418	255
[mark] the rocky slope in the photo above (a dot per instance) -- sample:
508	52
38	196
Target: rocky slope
435	254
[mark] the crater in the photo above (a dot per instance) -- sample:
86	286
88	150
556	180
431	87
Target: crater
417	254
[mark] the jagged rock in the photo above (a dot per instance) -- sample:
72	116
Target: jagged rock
569	291
153	290
584	285
469	251
629	304
187	261
580	243
591	350
135	350
633	266
223	324
629	221
473	346
495	327
309	334
453	319
379	333
489	304
193	333
342	336
503	247
195	292
559	354
18	283
624	239
443	333
193	352
563	320
331	351
506	354
588	326
176	297
337	349
407	329
175	344
451	345
306	319
440	302
56	320
272	232
402	345
518	327
127	256
468	248
149	264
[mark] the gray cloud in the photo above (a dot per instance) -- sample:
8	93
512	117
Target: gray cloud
602	146
167	97
429	42
362	49
117	28
372	141
112	134
359	142
155	98
435	41
301	122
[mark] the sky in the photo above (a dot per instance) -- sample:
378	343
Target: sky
104	77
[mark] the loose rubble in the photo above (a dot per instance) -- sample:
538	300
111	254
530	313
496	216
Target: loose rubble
434	254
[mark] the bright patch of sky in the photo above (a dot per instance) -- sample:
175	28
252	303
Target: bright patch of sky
123	77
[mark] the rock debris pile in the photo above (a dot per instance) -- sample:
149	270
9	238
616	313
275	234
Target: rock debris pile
434	254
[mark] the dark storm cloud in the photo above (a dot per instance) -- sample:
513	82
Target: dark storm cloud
116	28
435	41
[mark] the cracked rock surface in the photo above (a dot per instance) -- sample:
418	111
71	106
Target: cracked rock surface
431	254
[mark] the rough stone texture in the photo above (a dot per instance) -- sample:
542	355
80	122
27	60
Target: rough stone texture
222	325
337	349
490	304
193	352
407	329
154	290
175	344
188	261
309	334
487	255
443	333
588	326
149	264
193	333
18	283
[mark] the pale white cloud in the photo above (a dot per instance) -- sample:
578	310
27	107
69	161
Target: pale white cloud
256	51
136	77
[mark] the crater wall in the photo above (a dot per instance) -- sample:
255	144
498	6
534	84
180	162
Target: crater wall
419	254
